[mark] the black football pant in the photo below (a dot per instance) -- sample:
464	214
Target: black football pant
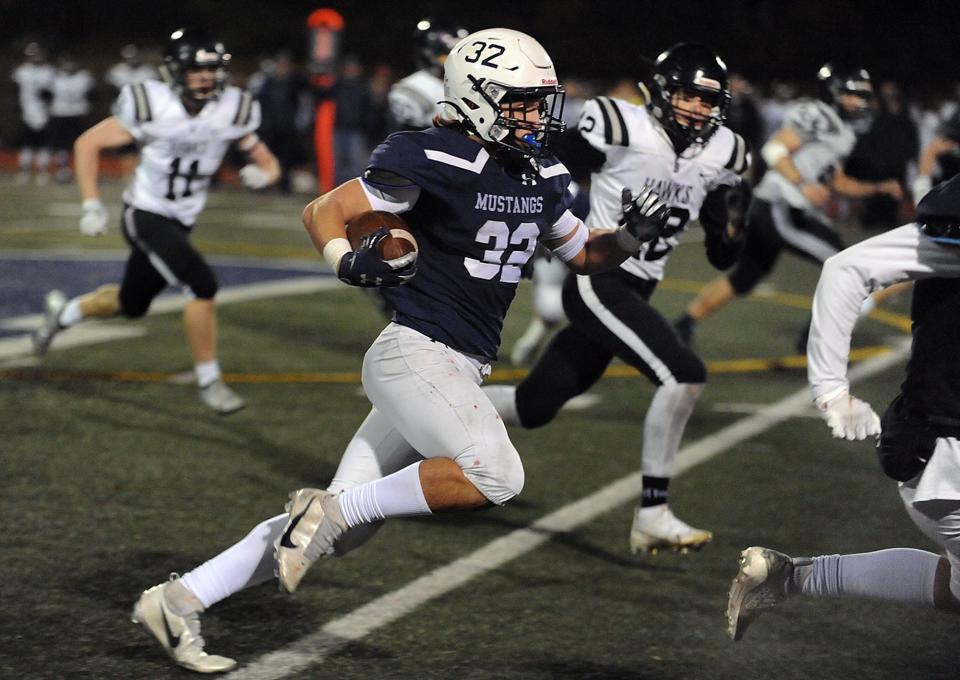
160	255
609	316
772	228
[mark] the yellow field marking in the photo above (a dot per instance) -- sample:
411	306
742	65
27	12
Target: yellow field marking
353	377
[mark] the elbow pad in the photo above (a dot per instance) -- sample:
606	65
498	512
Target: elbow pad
774	151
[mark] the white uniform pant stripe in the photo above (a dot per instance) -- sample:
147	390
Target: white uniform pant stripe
798	238
623	332
130	226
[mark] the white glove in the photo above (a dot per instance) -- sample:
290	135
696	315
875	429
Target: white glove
94	219
253	176
921	187
848	417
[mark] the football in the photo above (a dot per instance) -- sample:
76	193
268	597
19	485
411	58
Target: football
397	244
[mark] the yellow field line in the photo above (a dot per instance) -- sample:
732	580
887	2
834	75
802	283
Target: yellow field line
353	378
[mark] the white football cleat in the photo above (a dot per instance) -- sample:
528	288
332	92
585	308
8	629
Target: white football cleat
53	305
220	398
314	525
179	635
657	528
764	580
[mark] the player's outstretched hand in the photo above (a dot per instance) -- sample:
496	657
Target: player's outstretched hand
848	417
365	268
94	220
645	216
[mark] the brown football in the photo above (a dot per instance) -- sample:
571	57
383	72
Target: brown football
397	244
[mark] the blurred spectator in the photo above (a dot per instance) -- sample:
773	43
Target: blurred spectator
279	92
774	107
267	65
884	152
380	120
73	90
131	69
578	92
415	99
351	146
628	90
33	79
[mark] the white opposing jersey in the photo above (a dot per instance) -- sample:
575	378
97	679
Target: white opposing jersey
639	154
413	100
848	277
827	141
179	153
71	93
33	80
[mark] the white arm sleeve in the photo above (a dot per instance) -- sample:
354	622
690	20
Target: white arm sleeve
848	277
393	200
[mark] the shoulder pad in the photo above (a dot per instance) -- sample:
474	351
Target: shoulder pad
739	159
141	103
244	109
614	126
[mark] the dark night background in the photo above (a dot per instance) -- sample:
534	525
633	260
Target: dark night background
914	42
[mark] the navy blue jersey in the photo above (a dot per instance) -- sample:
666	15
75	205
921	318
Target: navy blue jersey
476	225
932	386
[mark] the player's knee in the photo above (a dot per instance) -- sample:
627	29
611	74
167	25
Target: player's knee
745	277
496	471
690	369
132	306
535	410
204	287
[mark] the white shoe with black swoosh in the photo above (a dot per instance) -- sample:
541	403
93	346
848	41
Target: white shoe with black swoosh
179	635
314	525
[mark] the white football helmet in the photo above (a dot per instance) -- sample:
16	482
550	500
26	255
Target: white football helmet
498	66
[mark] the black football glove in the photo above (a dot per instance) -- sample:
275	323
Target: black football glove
365	268
737	201
645	216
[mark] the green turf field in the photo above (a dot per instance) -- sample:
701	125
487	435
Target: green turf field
110	481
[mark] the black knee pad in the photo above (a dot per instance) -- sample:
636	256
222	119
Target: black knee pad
133	306
690	370
204	285
746	276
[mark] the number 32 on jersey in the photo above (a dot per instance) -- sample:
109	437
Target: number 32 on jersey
505	251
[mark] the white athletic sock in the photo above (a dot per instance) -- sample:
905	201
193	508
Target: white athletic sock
396	495
504	399
240	566
70	315
663	426
26	159
897	574
42	159
207	372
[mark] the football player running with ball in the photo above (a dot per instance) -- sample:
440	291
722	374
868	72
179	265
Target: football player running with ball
184	127
677	146
479	191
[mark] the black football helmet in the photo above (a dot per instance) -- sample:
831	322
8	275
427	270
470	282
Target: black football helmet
433	42
834	81
694	68
191	49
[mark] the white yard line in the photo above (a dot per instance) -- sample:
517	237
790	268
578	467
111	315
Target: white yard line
19	347
359	623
